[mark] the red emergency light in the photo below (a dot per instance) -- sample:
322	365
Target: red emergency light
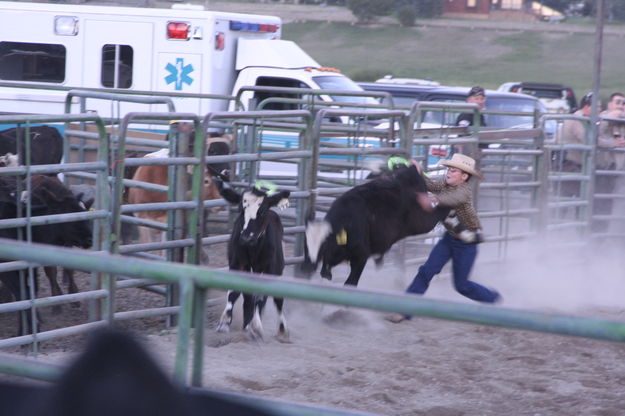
178	30
437	151
252	27
220	41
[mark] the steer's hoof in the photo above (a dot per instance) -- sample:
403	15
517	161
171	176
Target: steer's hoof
223	327
254	332
283	337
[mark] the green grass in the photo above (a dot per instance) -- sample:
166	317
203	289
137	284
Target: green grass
462	56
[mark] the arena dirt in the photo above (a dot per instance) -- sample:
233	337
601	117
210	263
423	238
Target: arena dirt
354	359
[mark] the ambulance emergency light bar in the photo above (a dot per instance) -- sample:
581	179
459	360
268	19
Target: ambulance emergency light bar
252	27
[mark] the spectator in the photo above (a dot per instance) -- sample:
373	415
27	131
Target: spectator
574	132
476	95
611	136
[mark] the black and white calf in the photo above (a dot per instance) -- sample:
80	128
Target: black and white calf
255	246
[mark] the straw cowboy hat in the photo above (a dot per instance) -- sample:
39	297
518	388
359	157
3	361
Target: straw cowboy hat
462	162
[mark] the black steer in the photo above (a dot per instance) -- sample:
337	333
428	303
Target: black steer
48	197
367	220
46	144
116	376
255	246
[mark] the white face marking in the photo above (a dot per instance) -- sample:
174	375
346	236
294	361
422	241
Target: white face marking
9	160
250	203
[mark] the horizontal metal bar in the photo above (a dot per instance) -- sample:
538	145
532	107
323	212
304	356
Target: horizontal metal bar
161	245
502	185
509	213
358	151
52	334
567	204
157	206
567	225
47	118
161	161
16	265
295	288
53	219
56	168
82	134
497	135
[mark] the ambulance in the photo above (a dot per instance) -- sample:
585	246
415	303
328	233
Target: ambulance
51	48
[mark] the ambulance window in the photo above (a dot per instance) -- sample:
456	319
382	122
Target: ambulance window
278	82
117	66
39	62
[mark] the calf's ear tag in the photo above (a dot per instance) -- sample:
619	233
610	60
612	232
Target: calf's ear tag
267	187
341	237
396	160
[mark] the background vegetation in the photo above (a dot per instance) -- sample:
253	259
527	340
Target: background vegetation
461	55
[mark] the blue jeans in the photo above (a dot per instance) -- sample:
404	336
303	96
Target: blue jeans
462	256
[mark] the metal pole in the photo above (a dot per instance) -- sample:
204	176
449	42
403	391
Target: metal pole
594	108
596	75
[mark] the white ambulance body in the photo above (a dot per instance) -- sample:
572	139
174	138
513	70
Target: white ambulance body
141	49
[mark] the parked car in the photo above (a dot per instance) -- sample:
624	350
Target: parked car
557	98
405	95
389	79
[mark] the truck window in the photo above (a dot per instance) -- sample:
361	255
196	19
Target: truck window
39	62
116	66
278	82
339	82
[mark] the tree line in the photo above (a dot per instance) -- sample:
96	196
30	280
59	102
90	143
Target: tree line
407	11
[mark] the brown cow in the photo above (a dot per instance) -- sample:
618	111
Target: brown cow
158	175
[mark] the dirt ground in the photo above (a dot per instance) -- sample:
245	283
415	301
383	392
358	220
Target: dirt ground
354	359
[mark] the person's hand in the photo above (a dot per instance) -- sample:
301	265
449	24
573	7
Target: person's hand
426	201
619	142
616	114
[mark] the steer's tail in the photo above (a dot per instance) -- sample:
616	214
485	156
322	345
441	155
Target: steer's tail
316	233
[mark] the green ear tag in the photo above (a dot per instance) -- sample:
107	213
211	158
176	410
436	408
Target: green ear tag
267	187
396	160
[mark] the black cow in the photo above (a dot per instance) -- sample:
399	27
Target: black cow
48	197
367	220
86	194
46	144
255	246
116	376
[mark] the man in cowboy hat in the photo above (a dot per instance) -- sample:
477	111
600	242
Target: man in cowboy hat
459	243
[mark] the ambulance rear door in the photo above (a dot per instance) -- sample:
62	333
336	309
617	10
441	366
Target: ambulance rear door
118	54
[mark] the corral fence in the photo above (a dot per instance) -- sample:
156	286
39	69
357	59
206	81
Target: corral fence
317	155
329	150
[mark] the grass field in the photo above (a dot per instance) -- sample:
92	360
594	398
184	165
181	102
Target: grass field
462	55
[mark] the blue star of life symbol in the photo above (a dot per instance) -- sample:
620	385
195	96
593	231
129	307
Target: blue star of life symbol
179	73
